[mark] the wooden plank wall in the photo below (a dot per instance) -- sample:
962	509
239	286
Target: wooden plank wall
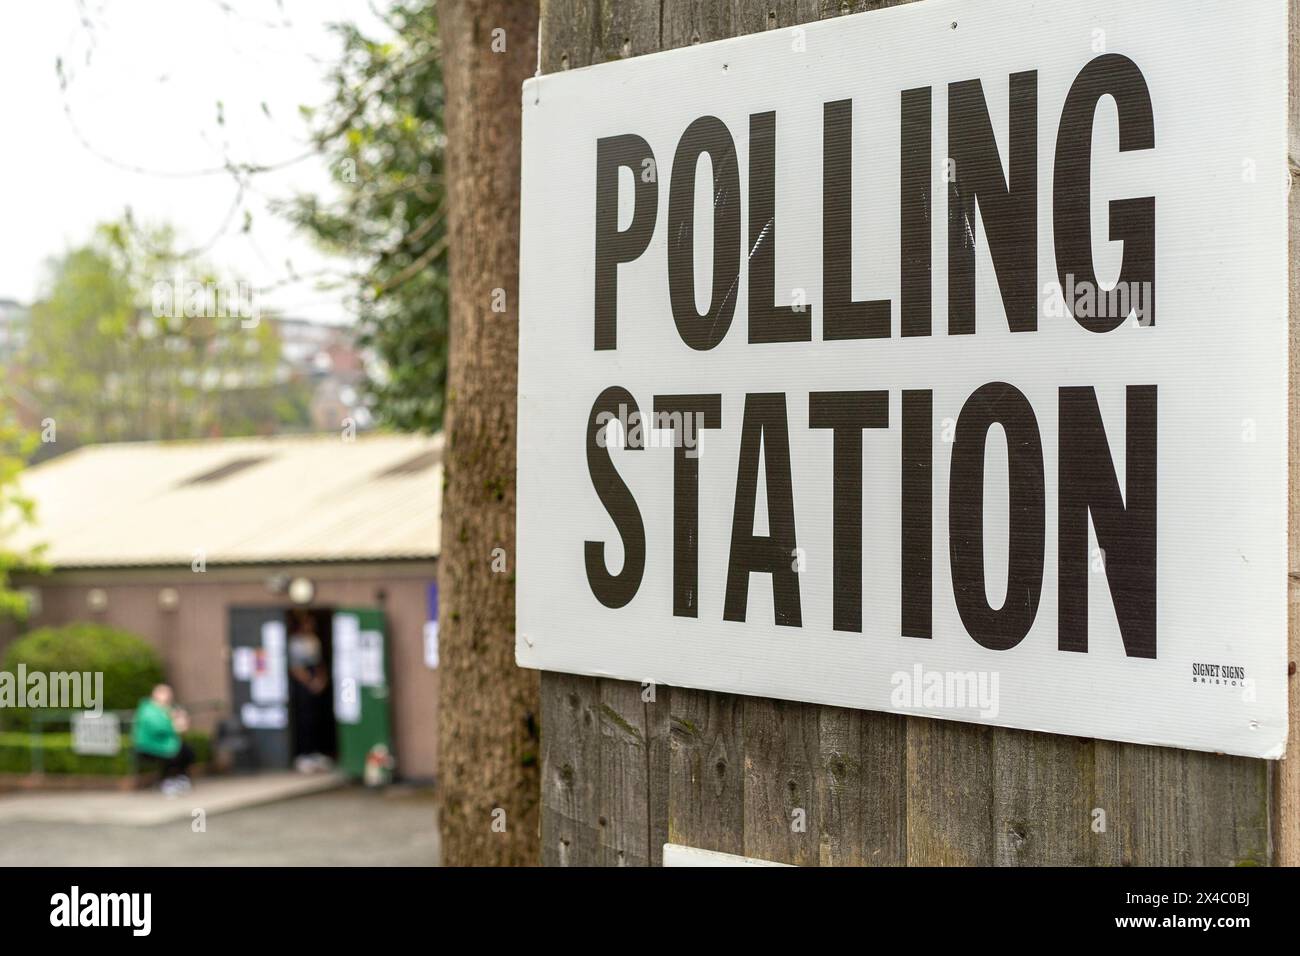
1286	790
621	775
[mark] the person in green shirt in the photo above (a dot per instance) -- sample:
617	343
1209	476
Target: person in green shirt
156	736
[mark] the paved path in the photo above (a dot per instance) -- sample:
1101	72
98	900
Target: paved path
342	827
144	808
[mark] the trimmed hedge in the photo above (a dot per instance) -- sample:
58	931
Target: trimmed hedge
57	755
130	665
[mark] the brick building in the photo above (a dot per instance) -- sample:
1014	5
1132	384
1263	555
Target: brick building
206	549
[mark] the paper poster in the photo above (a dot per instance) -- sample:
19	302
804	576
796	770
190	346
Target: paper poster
264	718
370	659
242	663
347	647
270	679
431	645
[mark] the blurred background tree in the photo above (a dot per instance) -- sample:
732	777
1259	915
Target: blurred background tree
382	134
131	340
16	509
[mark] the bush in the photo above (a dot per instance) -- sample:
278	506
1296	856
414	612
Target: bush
131	667
57	755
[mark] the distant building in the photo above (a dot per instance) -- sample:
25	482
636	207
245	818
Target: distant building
320	374
207	548
14	319
328	359
13	329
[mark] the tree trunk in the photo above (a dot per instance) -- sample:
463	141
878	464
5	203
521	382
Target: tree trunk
488	743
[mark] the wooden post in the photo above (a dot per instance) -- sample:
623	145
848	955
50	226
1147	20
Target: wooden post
621	774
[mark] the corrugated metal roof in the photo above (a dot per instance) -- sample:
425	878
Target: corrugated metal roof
239	500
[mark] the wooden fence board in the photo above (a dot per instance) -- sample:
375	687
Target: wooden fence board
1286	790
706	796
782	762
570	770
623	791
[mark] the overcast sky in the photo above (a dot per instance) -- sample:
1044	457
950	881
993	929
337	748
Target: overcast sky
144	79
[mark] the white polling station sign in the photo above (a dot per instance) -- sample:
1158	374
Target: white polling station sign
931	360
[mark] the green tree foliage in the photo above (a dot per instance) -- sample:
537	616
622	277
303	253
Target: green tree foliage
16	509
382	133
130	340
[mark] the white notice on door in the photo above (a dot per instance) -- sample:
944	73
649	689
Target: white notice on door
347	697
370	659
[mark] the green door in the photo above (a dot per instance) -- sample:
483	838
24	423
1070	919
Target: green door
361	686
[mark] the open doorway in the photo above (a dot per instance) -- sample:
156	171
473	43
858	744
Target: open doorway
313	733
286	718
